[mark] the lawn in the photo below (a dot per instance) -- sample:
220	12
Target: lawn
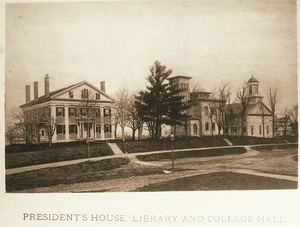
248	140
197	153
165	144
220	181
84	172
56	153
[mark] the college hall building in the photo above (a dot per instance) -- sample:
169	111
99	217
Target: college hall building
202	122
79	111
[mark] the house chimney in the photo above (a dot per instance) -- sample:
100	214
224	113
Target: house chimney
102	85
35	89
46	85
27	93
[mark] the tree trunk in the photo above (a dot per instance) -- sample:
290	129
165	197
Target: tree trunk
273	125
133	134
123	133
115	131
242	133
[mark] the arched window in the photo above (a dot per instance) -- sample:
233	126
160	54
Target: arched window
195	129
206	109
206	126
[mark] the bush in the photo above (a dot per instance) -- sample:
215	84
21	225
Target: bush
161	144
82	172
248	140
270	147
191	154
56	153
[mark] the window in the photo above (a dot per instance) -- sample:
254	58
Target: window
252	130
206	109
97	112
267	129
72	112
60	111
213	126
98	128
195	129
43	133
107	128
60	129
260	130
84	93
107	112
212	110
72	129
83	111
250	90
71	94
206	126
98	96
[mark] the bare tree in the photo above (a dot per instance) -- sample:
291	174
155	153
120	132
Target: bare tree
224	93
87	113
293	115
51	128
23	126
231	115
286	119
121	105
11	134
273	98
262	109
132	115
244	100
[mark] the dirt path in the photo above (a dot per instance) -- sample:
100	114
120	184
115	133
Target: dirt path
252	162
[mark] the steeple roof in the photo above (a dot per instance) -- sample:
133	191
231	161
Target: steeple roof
252	80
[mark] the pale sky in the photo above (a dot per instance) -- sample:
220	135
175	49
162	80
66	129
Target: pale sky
211	41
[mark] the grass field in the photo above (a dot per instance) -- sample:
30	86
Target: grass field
248	140
220	181
189	154
165	144
83	172
56	154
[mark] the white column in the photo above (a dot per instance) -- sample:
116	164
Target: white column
113	123
102	122
53	116
78	131
67	135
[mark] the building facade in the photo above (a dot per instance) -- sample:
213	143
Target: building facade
77	112
204	116
258	117
202	113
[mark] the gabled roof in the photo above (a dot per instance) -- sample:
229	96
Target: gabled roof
250	107
179	76
255	105
53	94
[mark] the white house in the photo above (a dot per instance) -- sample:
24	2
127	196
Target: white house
77	112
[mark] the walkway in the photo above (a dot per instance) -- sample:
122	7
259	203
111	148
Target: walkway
131	156
271	175
115	148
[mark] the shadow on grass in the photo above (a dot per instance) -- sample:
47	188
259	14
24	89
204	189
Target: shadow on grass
220	181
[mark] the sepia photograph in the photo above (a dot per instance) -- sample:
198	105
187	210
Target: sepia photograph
134	97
